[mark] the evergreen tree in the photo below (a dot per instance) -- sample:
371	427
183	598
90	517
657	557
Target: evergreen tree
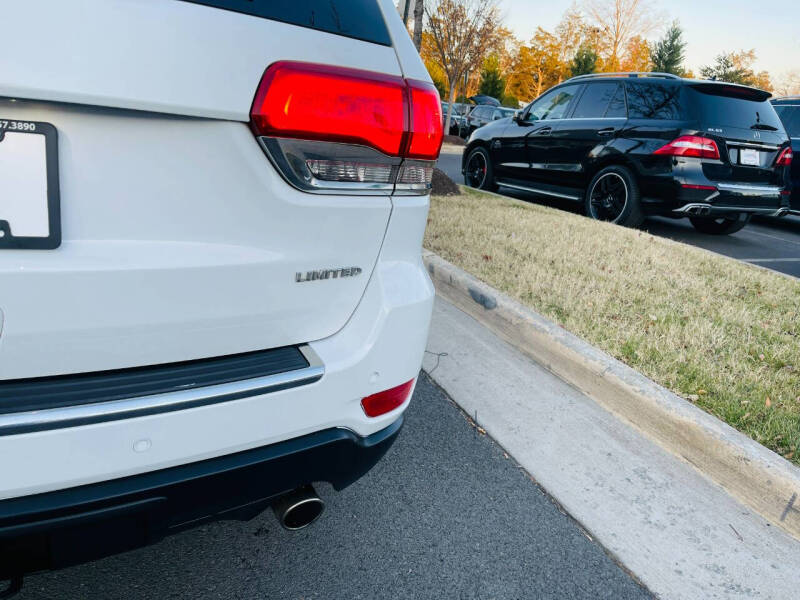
584	62
669	52
492	81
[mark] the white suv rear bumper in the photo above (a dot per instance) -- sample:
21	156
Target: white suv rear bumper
380	347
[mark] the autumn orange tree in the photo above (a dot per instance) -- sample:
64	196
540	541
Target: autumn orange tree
622	27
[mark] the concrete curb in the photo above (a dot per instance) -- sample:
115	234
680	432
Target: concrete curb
756	476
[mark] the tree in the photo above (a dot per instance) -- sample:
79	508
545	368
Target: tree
492	82
737	67
619	21
510	101
463	32
789	84
419	12
637	56
584	62
669	52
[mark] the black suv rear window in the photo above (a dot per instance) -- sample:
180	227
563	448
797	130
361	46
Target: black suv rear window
725	105
359	19
654	100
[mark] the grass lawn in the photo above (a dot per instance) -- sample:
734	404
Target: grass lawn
720	333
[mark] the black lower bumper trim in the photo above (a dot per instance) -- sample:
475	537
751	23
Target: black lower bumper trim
67	527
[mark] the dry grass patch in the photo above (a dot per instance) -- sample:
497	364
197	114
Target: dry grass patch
720	333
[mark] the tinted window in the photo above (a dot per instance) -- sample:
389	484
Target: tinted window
500	113
480	112
595	100
712	107
617	108
790	115
360	19
553	105
654	100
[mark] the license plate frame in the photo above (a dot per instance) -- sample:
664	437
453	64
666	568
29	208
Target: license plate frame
9	241
749	157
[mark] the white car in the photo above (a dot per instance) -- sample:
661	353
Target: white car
211	289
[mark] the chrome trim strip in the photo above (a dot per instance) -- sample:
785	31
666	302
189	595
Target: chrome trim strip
753	145
72	416
750	190
538	191
692	206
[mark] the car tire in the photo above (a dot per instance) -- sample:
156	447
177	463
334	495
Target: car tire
721	225
613	195
478	172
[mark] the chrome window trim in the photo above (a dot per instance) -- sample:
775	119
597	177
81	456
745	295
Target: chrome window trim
128	408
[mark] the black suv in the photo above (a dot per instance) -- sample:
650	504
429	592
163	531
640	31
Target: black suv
634	144
788	110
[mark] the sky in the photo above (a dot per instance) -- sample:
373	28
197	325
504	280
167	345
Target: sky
710	27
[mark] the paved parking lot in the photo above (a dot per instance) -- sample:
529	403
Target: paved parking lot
444	515
771	243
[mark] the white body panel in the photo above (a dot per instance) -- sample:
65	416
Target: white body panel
181	241
380	347
159	55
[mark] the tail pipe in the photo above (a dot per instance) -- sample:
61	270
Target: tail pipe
299	508
698	209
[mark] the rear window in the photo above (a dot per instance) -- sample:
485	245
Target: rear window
359	19
790	116
654	100
733	107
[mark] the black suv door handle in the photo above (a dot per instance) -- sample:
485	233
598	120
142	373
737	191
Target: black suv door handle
544	131
607	131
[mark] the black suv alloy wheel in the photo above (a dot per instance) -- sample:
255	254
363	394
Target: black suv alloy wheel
478	172
613	196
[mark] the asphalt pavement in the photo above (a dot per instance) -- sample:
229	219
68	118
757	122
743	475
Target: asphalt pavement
446	514
771	243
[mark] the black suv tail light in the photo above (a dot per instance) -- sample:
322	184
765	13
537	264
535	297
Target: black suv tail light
334	129
785	158
691	145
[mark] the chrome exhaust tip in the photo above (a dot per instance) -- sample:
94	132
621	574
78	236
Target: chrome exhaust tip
299	508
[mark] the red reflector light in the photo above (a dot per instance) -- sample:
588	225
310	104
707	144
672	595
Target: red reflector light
692	186
386	401
396	116
690	145
785	158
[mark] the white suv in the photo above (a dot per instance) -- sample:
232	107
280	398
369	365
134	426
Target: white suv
211	290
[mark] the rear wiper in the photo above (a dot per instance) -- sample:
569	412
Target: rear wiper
763	127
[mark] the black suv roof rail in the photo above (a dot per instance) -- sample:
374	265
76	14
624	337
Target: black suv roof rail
633	74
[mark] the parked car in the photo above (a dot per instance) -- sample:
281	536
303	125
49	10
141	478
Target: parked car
212	292
458	118
630	145
482	115
788	110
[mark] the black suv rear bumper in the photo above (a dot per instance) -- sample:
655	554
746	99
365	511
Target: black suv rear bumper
66	527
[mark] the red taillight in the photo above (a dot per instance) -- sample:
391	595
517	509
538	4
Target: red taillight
426	121
318	102
386	401
692	146
299	100
785	158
